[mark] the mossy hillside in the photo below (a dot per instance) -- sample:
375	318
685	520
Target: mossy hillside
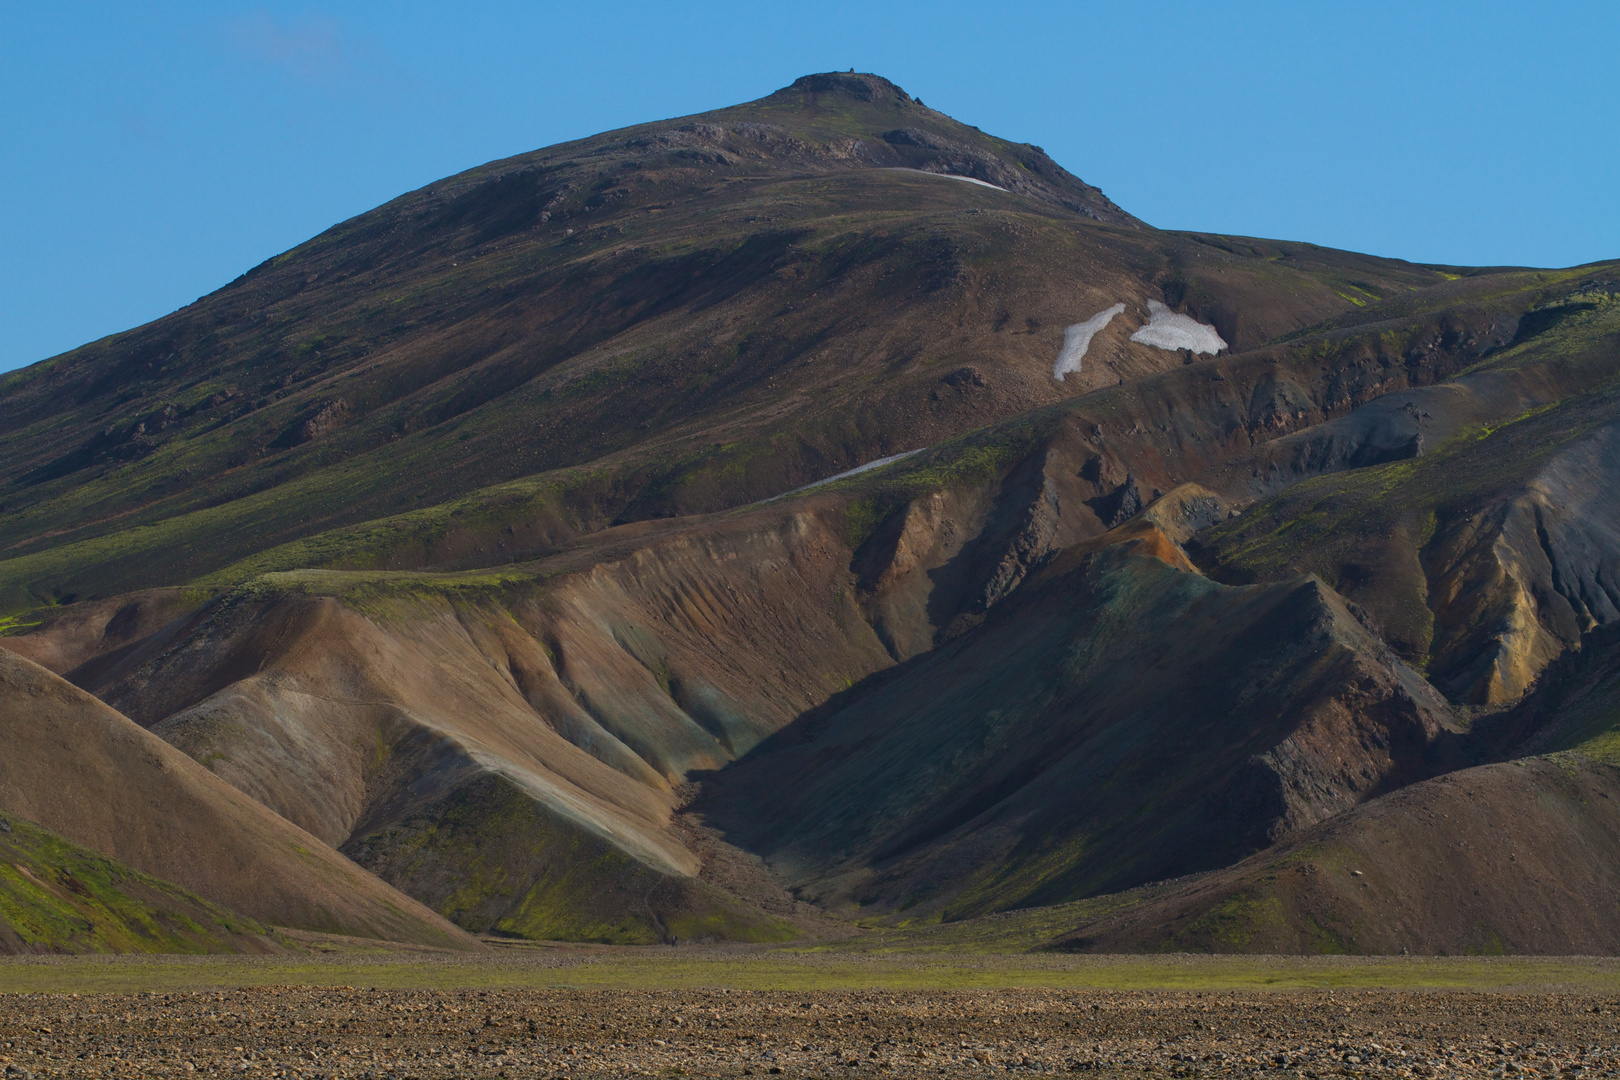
399	597
20	623
208	452
512	520
1598	737
498	524
1267	912
1509	291
530	506
1229	926
58	897
357	471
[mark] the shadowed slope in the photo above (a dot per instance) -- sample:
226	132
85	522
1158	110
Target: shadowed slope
80	769
1519	857
1121	720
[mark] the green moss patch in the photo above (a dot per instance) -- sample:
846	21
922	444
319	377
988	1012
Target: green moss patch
57	897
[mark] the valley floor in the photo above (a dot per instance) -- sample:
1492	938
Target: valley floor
572	1011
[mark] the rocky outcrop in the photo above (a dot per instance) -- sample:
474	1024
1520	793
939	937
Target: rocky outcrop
1517	583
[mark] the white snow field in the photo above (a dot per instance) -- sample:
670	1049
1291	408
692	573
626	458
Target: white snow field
1077	339
951	176
1171	331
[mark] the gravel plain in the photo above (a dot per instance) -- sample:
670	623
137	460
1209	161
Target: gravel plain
350	1032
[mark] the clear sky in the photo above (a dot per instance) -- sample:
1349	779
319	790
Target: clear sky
151	152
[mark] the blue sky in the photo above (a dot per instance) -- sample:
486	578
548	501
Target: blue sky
149	153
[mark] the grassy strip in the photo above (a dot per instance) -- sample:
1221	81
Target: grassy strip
788	969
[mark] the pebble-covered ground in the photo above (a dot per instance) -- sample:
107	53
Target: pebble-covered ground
291	1032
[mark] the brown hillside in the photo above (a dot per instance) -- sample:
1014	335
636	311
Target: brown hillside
80	769
1118	721
596	680
641	538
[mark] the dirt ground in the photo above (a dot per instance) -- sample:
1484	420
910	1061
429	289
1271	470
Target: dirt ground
348	1032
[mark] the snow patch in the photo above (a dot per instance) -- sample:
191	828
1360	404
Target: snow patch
1172	331
953	176
1077	339
856	471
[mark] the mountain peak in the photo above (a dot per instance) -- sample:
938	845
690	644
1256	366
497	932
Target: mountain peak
860	86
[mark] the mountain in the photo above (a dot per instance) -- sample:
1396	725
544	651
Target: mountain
721	527
673	318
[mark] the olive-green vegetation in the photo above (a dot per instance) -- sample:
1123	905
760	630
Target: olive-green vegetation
782	968
58	897
568	437
1332	525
